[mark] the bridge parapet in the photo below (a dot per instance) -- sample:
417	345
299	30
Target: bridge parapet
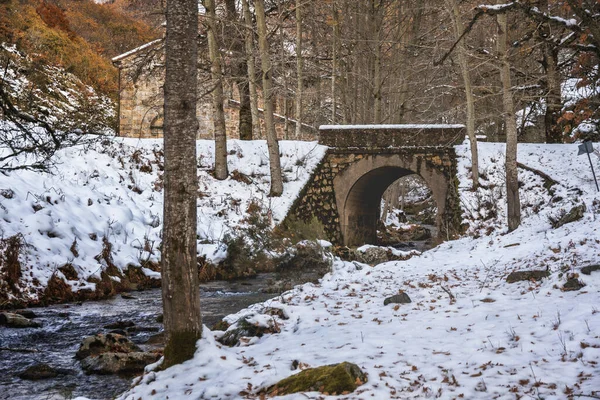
390	136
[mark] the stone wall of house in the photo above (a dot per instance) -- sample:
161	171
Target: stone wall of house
141	78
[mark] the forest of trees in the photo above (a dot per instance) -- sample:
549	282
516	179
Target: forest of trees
350	62
388	61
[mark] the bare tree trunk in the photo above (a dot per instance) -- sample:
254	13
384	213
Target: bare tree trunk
334	63
284	77
464	67
299	69
275	164
377	82
217	93
239	69
180	292
391	198
553	100
510	125
249	46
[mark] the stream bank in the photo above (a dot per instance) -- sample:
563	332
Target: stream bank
65	325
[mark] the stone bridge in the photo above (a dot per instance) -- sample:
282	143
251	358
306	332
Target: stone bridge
345	191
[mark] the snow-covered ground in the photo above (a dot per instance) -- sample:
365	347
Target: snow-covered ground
467	333
113	190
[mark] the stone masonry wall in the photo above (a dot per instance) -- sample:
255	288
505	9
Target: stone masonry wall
141	79
318	197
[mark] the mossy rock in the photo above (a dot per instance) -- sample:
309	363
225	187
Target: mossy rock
574	214
572	285
332	379
535	275
589	269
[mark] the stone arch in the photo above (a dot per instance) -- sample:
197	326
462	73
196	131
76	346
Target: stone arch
360	186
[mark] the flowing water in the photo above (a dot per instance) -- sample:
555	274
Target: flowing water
64	327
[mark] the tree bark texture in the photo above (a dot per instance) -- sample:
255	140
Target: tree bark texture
510	125
554	103
180	291
273	145
251	65
239	69
217	93
461	54
299	69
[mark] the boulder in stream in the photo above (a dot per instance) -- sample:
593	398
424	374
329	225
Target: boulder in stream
101	343
12	320
113	354
118	363
120	324
42	371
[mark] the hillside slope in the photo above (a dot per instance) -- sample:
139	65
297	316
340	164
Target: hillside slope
98	214
467	333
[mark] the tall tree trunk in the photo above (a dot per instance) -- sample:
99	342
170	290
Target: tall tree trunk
299	69
510	125
239	70
550	63
274	161
249	47
284	109
217	93
461	54
180	291
376	27
334	63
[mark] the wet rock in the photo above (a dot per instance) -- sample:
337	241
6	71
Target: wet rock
143	329
118	363
121	324
329	379
519	276
158	339
13	320
589	269
574	214
26	313
400	298
119	332
572	284
42	371
127	296
160	318
111	342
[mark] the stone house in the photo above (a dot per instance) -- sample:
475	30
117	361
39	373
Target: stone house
140	107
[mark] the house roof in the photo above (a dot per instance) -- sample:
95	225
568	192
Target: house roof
136	50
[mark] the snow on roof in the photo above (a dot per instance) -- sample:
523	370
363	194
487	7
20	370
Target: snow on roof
379	127
130	52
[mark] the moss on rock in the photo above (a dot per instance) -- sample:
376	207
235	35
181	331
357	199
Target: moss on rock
329	379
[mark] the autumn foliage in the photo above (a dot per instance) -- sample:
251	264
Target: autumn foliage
77	35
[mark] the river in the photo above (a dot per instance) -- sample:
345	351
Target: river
64	327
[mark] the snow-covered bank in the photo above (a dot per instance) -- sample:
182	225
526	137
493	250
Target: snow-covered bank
112	193
466	334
